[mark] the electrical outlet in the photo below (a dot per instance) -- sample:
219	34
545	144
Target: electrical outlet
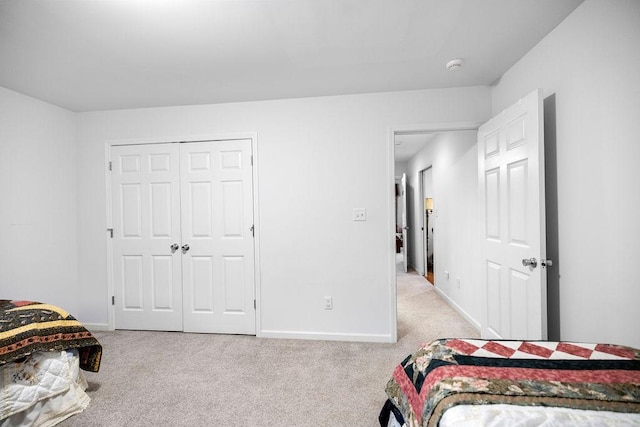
359	214
458	282
328	303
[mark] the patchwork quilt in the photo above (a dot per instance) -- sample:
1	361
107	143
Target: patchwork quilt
27	327
449	372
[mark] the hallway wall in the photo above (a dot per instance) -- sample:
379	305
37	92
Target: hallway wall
453	157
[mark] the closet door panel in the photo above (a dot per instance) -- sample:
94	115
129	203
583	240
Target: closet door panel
217	215
146	222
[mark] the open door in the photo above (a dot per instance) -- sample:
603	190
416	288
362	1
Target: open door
405	227
511	177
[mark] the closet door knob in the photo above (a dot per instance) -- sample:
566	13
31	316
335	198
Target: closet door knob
531	262
185	248
174	248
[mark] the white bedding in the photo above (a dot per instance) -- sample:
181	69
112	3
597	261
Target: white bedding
500	415
43	390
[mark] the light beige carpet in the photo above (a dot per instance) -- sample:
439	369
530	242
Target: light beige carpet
179	379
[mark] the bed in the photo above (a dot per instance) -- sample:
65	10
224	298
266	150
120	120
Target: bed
42	352
470	382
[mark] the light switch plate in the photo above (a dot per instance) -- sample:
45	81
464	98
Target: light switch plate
359	214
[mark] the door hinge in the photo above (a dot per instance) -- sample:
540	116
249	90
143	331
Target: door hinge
110	231
252	160
254	304
252	228
110	166
113	300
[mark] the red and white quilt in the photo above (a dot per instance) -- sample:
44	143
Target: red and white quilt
450	372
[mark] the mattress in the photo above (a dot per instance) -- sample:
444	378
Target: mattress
501	415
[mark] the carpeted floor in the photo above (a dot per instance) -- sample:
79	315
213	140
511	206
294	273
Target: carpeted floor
178	379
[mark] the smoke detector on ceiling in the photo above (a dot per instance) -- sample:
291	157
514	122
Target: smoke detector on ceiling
454	64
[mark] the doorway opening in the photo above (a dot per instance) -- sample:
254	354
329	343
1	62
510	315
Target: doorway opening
408	154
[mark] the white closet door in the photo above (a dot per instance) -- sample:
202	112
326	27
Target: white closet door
511	174
146	222
217	225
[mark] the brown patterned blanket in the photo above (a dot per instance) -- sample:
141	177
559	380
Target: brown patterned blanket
27	327
449	372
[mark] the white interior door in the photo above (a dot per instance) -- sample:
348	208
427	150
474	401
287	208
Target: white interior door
146	222
217	226
511	175
405	227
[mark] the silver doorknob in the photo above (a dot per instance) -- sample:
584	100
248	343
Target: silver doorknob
185	248
174	248
546	263
532	262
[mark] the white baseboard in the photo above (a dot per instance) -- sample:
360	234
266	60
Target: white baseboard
319	336
459	309
325	336
97	327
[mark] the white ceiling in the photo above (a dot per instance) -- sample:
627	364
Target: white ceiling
87	55
407	145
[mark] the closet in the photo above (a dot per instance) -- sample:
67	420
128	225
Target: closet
183	246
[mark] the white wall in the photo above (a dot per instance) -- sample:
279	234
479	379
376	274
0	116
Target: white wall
454	161
318	158
591	63
38	252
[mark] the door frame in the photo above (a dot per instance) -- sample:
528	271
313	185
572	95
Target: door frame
425	231
392	131
253	136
